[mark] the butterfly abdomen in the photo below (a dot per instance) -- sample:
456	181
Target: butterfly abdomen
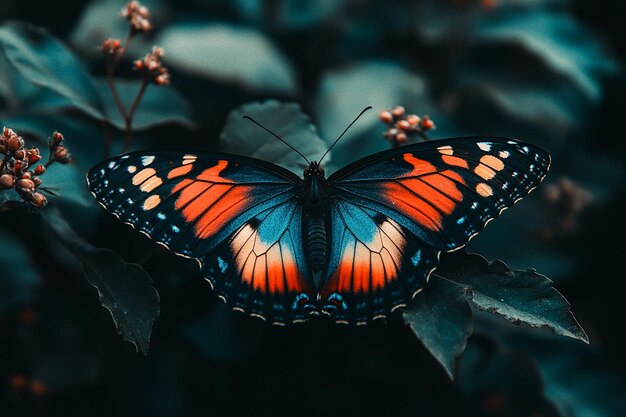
316	242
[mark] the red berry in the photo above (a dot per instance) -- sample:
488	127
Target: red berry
56	138
14	143
33	156
403	125
60	152
7	181
427	123
38	200
398	111
413	119
385	116
401	137
26	184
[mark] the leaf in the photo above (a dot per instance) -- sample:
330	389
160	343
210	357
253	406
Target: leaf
291	14
554	36
227	53
125	289
160	105
21	281
501	382
441	318
243	137
579	379
343	94
45	61
519	296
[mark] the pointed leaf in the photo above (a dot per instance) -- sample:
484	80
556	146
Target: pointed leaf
243	137
519	296
45	61
441	318
125	289
226	53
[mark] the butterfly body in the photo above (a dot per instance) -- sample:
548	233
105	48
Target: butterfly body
355	245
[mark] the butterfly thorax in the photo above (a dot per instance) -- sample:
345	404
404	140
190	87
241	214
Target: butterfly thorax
315	215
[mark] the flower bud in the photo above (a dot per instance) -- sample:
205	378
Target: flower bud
401	137
19	154
413	119
38	199
6	181
403	125
60	152
385	116
14	143
26	184
56	138
17	166
33	156
40	169
26	175
427	124
398	111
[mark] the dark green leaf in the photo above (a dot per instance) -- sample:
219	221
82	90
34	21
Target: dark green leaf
519	296
562	43
233	54
45	61
125	289
343	94
20	279
160	105
502	382
578	378
441	318
243	137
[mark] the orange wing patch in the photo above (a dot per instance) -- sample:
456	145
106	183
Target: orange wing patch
424	194
369	266
266	268
210	200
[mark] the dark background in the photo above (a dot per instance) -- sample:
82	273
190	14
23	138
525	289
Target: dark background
550	72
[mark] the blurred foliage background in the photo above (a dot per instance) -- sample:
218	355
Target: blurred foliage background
547	71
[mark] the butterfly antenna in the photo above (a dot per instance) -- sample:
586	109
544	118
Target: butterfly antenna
344	132
277	137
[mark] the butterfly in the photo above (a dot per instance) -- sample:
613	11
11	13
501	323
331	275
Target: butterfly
356	245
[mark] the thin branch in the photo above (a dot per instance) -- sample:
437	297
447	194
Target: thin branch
131	114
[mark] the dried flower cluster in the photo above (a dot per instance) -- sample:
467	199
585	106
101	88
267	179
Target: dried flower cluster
19	170
152	67
111	47
402	126
138	17
566	201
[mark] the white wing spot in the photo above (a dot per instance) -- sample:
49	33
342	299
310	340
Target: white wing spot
147	160
111	164
484	146
132	169
504	154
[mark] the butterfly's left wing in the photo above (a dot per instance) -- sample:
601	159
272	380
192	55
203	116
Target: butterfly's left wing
240	218
393	212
